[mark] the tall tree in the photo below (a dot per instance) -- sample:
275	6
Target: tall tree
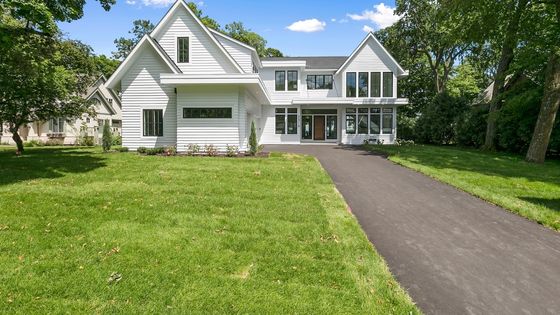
105	65
510	42
551	98
125	45
238	31
206	20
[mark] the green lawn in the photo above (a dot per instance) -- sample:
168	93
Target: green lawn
530	190
197	235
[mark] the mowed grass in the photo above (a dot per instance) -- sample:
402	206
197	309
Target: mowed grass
530	190
187	235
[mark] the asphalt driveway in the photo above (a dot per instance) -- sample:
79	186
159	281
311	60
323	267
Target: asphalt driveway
454	253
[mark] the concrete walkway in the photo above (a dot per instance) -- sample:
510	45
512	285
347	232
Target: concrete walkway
454	253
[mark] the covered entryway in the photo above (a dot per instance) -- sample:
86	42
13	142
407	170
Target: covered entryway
319	125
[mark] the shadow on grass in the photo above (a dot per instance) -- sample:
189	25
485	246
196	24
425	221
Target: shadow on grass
553	204
487	163
46	163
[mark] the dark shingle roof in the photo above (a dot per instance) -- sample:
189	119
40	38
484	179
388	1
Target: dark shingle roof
314	62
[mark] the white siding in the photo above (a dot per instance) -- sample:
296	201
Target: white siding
242	55
371	58
205	55
218	132
268	77
141	90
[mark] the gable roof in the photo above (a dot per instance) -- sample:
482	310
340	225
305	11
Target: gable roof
323	63
240	43
146	41
369	36
181	4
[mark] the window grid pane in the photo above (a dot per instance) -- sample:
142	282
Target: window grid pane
292	80
280	77
183	49
387	84
351	84
375	84
210	113
363	81
153	123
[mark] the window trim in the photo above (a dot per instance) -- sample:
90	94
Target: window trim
288	72
366	84
144	133
285	113
355	84
391	85
371	87
284	83
228	108
177	39
315	82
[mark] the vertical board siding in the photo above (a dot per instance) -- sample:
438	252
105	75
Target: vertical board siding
205	55
141	90
242	55
218	132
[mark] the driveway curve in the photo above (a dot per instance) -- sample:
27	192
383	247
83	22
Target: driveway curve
453	253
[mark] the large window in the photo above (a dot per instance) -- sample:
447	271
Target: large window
292	80
182	49
387	84
320	82
153	122
371	121
387	120
56	125
350	120
211	112
375	84
363	84
351	84
286	121
375	121
280	79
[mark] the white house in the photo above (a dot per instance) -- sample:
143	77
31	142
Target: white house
187	84
107	107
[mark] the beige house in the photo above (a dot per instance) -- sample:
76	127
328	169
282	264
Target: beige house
108	111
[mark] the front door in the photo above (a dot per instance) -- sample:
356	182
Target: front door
319	128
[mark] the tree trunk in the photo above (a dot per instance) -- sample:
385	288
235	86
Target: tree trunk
549	105
510	42
17	139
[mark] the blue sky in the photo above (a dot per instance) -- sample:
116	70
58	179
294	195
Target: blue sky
296	27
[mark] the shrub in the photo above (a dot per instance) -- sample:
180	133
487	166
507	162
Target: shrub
117	140
404	142
85	141
170	150
436	123
253	145
142	150
470	128
107	139
155	151
210	150
232	150
54	142
193	149
122	149
33	143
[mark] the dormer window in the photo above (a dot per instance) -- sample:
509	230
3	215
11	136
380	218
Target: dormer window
182	49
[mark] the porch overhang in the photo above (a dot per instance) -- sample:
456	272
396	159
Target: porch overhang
251	81
350	101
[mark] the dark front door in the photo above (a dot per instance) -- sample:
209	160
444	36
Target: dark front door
319	128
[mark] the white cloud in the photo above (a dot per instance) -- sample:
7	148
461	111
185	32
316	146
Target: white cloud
131	2
157	3
343	21
333	20
307	26
382	15
367	29
200	3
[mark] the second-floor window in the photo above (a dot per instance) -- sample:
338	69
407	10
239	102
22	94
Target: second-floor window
351	84
363	84
281	81
182	49
320	82
375	84
387	84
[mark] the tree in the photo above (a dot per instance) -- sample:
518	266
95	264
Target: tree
205	19
237	30
253	144
41	78
125	45
107	138
550	101
273	52
105	65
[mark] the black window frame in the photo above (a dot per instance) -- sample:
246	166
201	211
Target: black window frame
363	84
375	84
351	91
207	112
374	113
278	83
292	84
387	112
388	88
313	82
180	46
157	128
286	121
350	116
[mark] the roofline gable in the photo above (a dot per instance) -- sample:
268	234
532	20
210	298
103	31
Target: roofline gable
362	44
253	50
169	14
105	102
129	60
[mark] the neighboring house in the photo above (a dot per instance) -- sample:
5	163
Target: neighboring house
108	111
187	84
